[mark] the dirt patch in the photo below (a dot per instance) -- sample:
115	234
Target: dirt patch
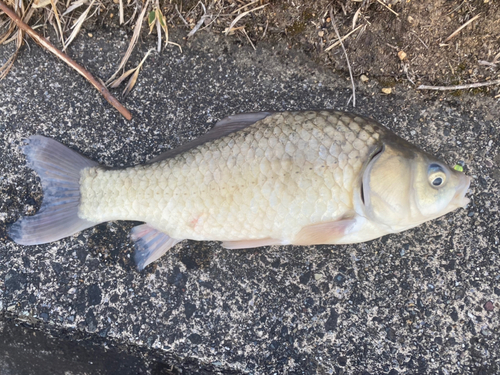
394	41
419	29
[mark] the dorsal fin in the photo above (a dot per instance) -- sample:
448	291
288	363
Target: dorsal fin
222	128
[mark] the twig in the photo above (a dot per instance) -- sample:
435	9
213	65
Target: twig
405	69
46	44
460	87
461	27
482	62
244	32
200	22
265	30
496	58
342	39
421	41
388	8
347	59
244	6
121	14
230	28
180	15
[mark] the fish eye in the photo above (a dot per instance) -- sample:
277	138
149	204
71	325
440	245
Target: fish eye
437	176
437	181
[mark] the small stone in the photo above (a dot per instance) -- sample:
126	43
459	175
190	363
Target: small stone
317	276
339	279
411	19
11	308
342	361
402	55
90	35
488	306
364	78
331	323
94	295
387	90
195	338
486	332
321	33
274	345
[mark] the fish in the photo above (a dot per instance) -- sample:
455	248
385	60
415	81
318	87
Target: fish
255	179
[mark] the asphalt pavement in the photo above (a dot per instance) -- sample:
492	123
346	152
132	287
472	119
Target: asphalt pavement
419	302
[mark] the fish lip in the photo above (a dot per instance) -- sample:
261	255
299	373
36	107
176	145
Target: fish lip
462	189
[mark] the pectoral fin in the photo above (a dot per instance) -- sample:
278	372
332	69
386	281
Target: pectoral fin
330	232
248	244
150	244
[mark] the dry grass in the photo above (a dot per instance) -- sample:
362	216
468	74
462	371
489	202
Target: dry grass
25	28
370	31
227	16
67	19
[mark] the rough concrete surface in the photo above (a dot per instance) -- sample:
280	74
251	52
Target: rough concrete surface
423	301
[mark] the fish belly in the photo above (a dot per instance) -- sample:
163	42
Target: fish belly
269	180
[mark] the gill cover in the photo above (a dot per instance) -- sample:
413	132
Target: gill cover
386	185
403	187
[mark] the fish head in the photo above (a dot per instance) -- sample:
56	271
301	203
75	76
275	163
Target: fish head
403	187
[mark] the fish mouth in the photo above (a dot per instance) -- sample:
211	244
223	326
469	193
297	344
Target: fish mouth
460	199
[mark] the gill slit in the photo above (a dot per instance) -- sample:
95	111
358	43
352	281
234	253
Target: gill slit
377	152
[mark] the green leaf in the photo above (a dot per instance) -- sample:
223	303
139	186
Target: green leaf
161	19
151	17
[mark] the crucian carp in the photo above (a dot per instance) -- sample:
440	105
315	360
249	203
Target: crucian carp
255	179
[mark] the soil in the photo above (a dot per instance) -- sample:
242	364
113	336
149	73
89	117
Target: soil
419	32
398	41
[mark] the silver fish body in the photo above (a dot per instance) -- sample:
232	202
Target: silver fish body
313	177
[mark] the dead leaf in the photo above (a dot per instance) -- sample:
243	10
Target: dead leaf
131	83
135	74
117	82
40	3
77	26
133	41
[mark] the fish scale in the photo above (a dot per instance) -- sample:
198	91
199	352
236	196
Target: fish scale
269	180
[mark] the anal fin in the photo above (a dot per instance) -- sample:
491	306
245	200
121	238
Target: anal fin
329	232
248	244
150	244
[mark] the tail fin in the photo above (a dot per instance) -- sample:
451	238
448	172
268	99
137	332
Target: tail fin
59	169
